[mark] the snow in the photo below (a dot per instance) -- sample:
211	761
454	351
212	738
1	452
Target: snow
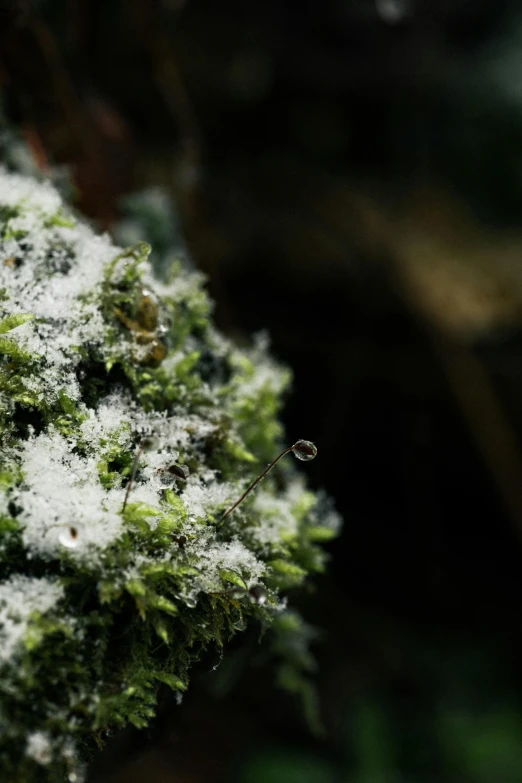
39	197
232	556
39	747
276	513
266	374
20	596
61	490
58	268
204	492
114	418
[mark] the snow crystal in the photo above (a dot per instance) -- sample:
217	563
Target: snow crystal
265	373
232	556
178	431
180	289
54	270
277	513
39	197
20	596
62	490
114	418
39	747
199	497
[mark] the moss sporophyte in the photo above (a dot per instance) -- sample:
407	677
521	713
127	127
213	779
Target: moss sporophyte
129	428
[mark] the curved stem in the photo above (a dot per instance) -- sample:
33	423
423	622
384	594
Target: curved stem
132	475
255	483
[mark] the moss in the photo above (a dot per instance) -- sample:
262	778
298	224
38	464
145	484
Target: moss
101	601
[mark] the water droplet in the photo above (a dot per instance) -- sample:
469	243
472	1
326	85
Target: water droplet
69	537
190	600
179	471
392	11
304	450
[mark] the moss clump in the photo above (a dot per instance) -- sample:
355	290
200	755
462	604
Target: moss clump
100	604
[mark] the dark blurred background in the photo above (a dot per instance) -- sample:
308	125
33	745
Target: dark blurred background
348	173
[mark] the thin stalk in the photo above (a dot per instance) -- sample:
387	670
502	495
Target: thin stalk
255	483
132	475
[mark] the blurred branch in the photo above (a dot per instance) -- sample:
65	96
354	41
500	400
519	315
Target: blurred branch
487	420
463	286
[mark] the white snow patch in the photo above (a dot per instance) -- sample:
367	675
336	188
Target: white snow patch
112	420
232	555
277	513
16	189
20	596
51	272
39	747
61	490
199	497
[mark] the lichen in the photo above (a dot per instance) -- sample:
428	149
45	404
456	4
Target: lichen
101	601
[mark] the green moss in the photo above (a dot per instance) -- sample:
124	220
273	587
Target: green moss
99	604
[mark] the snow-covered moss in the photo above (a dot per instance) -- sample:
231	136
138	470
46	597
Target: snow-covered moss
101	600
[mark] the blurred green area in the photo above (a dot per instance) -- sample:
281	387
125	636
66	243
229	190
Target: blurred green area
348	173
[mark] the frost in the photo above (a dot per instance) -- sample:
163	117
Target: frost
20	597
233	556
60	490
277	513
50	272
38	198
113	420
266	374
177	430
325	516
199	496
39	747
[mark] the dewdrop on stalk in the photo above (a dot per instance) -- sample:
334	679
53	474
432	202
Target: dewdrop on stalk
304	450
